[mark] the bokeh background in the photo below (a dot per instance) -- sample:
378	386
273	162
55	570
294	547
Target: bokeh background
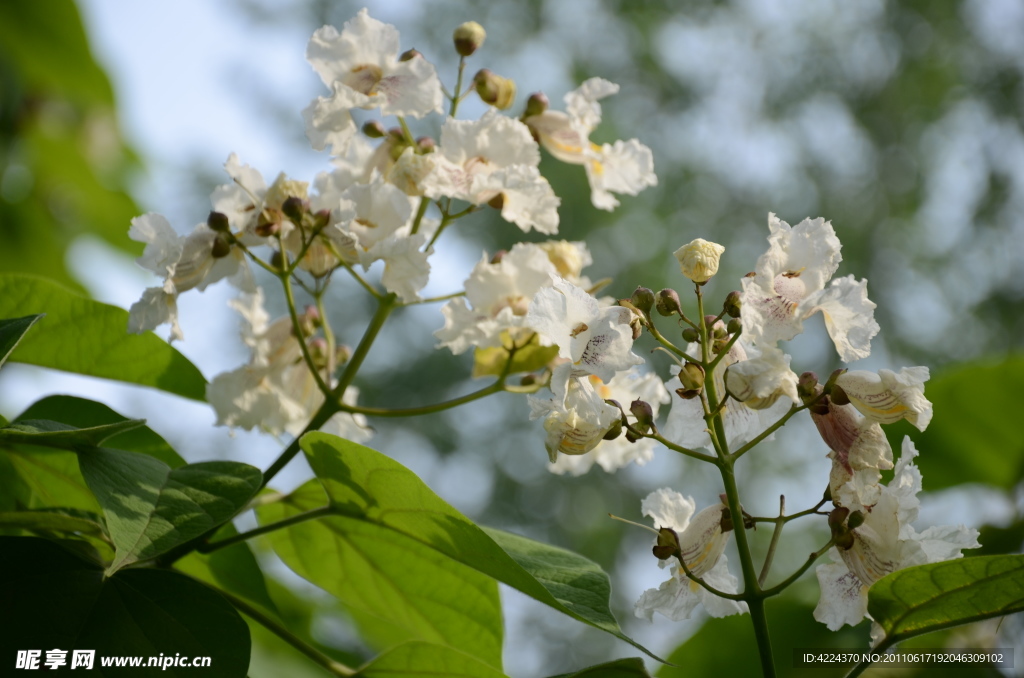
898	121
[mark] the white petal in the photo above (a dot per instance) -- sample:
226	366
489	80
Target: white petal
163	244
849	316
155	308
887	397
581	104
528	201
844	599
329	119
668	508
720	578
406	270
762	378
625	167
673	599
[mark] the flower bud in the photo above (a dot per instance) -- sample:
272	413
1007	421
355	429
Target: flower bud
832	379
277	260
687	394
643	299
698	260
268	223
294	208
691	376
342	354
719	345
643	413
856	520
321	219
667	302
218	222
409	55
494	90
734	326
837	517
691	335
805	385
426	144
536	104
468	38
221	247
838	396
374	129
720	331
497	202
732	304
668	544
615	431
498	256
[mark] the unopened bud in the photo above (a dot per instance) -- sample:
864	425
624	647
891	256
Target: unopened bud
615	431
536	104
277	260
643	299
342	354
691	335
837	517
720	332
268	223
668	544
409	55
218	221
426	144
827	494
643	413
637	326
838	396
709	322
497	202
806	384
667	302
468	38
221	247
494	90
698	260
321	219
832	379
691	376
687	394
719	345
374	129
294	208
498	256
732	304
734	326
855	520
528	380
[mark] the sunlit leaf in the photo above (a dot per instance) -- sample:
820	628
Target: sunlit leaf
54	598
150	508
930	597
87	337
54	434
417	659
632	667
368	486
493	361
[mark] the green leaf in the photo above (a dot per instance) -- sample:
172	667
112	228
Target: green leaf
150	508
11	332
407	591
86	337
931	597
60	600
86	413
632	667
61	436
369	486
417	659
973	438
492	361
53	520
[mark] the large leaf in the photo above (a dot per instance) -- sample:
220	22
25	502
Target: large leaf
366	485
417	659
48	433
54	520
86	337
53	598
151	508
11	332
931	597
974	437
400	588
620	668
494	360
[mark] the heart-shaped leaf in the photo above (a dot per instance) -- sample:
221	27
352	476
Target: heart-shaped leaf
150	508
11	332
368	486
931	597
62	436
51	597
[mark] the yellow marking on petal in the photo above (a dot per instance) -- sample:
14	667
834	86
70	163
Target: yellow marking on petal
578	330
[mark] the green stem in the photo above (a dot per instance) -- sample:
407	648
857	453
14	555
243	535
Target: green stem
706	586
724	352
272	625
496	387
458	89
325	324
682	450
766	568
431	300
764	642
300	338
360	279
265	529
767	432
783	585
668	344
406	131
422	210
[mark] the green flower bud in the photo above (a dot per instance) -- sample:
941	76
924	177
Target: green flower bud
615	431
643	413
668	544
294	208
426	144
832	379
409	55
468	38
536	104
498	256
277	260
667	302
342	354
856	520
374	129
494	90
221	247
691	335
643	299
837	517
691	376
734	326
732	304
218	222
687	394
321	219
838	396
806	385
268	223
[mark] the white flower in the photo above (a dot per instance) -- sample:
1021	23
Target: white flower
275	391
623	167
569	258
859	451
685	424
497	298
698	259
887	397
185	262
761	379
576	417
361	66
493	160
702	544
611	455
884	543
596	340
789	287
